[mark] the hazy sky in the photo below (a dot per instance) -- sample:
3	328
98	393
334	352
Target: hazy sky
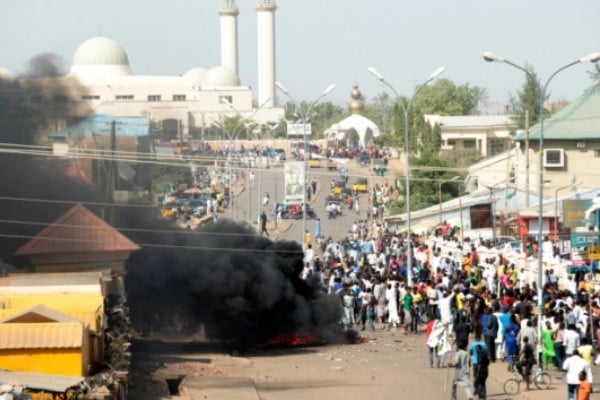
321	42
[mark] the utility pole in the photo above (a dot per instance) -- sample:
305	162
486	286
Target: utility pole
109	190
527	158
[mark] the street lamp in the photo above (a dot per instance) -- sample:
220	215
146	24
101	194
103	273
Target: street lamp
405	110
440	191
247	126
572	185
305	115
491	57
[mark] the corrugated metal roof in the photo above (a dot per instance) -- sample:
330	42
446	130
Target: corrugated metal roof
580	120
53	335
76	231
46	280
100	125
36	314
35	381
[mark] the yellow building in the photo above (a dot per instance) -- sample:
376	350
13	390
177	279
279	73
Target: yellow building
43	340
52	323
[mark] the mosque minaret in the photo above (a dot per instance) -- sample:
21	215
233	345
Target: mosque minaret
265	11
229	35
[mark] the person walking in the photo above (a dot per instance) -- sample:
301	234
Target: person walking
573	366
526	361
585	387
490	331
263	223
481	370
462	371
548	349
434	331
511	343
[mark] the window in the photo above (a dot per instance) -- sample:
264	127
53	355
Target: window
554	158
37	99
497	146
226	100
451	142
154	97
126	97
469	144
90	97
597	153
61	98
179	97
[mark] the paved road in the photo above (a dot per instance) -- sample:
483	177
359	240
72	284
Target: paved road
389	365
271	180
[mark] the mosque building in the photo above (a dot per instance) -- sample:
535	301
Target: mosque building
102	81
355	130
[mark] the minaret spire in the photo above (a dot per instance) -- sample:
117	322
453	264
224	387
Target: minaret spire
229	35
265	10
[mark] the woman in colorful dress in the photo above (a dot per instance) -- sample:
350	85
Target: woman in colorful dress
510	342
548	351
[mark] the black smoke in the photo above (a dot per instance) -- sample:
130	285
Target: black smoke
243	289
45	65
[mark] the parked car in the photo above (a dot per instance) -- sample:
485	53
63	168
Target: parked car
294	211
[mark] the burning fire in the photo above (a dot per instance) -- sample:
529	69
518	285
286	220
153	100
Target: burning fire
295	340
305	339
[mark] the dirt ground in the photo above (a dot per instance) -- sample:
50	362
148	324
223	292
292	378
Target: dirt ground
388	364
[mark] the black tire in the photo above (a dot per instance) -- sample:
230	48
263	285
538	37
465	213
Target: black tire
542	380
511	387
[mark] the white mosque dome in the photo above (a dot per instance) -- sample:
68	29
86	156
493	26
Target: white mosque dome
220	77
195	76
100	56
7	76
100	50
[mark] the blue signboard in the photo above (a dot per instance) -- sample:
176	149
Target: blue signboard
584	239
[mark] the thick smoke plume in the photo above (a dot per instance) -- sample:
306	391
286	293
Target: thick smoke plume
242	288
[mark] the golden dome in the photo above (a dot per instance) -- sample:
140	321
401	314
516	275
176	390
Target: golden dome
356	105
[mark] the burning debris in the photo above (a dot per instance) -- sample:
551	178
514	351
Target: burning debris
117	333
243	289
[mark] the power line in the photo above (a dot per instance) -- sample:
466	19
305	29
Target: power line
165	246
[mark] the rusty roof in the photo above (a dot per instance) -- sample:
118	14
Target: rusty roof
52	335
76	231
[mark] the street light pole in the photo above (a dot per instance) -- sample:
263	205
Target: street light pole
405	110
491	57
304	117
440	192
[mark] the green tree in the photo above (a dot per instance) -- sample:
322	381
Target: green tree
441	97
426	174
381	111
321	115
595	74
527	99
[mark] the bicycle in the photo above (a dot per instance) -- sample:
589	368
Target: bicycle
541	379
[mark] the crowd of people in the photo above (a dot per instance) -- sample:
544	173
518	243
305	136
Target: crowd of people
466	297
